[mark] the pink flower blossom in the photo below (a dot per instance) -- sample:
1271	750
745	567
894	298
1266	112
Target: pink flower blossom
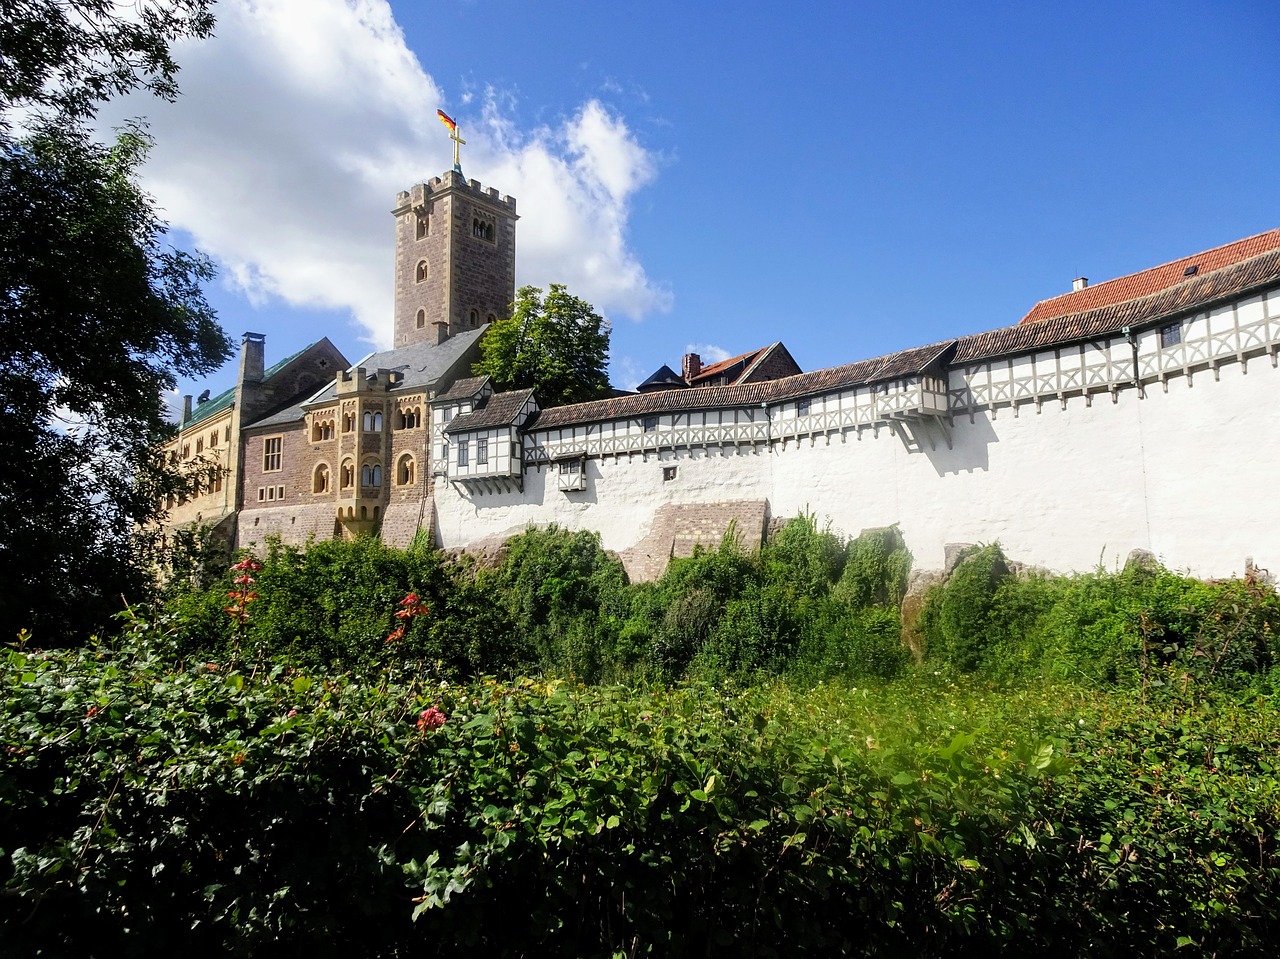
430	719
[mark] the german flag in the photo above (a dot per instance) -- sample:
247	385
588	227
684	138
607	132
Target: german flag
447	121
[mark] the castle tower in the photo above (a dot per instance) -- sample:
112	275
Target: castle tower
455	258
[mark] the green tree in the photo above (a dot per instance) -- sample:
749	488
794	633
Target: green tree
97	317
67	56
557	344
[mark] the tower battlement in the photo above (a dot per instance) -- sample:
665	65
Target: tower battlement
420	194
455	257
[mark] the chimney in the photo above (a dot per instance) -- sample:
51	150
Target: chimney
442	331
1079	283
691	366
252	347
186	409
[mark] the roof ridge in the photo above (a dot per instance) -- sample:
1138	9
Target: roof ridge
1090	293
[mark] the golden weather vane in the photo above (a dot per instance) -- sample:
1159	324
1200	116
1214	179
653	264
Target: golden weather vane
452	124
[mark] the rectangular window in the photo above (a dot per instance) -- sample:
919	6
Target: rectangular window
802	407
213	438
279	492
262	494
271	454
650	424
444	453
482	452
668	473
463	453
1171	335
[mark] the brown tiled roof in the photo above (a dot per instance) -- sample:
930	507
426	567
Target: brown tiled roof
1196	292
1155	280
906	363
500	409
462	389
708	373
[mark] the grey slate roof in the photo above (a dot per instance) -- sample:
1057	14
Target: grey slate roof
463	389
423	364
501	409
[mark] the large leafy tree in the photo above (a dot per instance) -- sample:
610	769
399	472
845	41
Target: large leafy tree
97	315
557	344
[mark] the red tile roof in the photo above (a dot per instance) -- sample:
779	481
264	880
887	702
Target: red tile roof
1155	280
1197	293
708	373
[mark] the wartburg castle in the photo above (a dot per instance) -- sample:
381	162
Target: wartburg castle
1136	413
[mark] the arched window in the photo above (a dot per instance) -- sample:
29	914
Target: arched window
420	273
422	318
348	474
320	480
377	422
372	422
348	422
371	475
200	445
475	318
422	227
405	470
490	318
368	421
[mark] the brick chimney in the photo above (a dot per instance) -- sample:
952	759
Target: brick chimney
691	366
252	347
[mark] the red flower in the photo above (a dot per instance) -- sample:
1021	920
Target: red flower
430	719
247	565
93	711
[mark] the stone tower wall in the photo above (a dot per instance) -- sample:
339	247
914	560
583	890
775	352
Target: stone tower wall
435	225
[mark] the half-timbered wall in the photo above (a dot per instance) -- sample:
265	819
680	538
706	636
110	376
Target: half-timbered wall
1064	455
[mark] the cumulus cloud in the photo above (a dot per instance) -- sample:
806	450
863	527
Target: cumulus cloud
300	121
709	352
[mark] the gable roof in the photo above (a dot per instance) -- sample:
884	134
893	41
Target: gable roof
904	363
462	389
1155	280
1195	293
500	409
225	399
423	364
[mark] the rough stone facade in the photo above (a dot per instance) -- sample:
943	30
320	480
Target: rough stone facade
455	258
677	529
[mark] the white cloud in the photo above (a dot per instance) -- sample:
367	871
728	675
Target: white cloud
709	353
300	121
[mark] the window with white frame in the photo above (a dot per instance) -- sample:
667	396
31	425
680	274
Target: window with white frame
271	454
464	453
482	451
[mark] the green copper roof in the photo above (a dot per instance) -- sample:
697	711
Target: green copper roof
224	399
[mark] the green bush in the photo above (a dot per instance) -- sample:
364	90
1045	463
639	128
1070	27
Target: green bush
147	808
877	569
959	626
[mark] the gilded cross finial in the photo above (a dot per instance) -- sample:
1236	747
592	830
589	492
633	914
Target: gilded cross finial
452	124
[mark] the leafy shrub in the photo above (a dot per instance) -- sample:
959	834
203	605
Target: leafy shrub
877	569
960	626
148	807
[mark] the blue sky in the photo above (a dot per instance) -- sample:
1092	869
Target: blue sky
848	178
